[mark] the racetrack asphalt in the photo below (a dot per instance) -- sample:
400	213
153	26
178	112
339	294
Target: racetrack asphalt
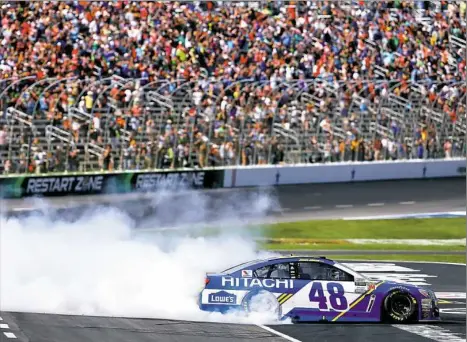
28	327
295	202
286	203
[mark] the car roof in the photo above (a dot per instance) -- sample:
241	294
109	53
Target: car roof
266	261
296	258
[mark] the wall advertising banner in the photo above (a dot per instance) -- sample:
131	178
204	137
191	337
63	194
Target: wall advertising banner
93	184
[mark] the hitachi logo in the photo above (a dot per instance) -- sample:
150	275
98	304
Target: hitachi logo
255	282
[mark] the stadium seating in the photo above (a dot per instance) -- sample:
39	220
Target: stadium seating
308	84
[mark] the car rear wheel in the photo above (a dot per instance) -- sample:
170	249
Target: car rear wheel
399	307
262	302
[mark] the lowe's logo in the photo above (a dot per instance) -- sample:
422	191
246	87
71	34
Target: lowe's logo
222	297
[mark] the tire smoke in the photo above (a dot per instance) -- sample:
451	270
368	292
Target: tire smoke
106	263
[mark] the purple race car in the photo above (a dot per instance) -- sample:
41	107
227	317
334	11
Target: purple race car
316	289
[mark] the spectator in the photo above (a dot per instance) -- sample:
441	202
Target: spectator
4	138
7	167
39	158
107	160
340	47
73	164
447	149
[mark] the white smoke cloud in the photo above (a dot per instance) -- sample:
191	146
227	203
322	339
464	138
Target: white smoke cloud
99	264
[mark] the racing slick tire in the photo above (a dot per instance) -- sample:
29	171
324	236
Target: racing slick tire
399	307
262	302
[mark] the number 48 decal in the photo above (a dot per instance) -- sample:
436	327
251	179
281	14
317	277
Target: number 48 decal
337	300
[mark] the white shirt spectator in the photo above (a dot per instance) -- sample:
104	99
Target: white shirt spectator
96	122
197	96
3	136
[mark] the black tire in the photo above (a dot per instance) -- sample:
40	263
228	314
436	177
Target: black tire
399	307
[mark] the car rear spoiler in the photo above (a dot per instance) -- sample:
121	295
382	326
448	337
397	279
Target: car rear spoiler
215	274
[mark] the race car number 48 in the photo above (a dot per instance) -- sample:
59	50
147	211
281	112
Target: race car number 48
336	298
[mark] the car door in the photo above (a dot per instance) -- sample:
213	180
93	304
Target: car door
276	279
324	290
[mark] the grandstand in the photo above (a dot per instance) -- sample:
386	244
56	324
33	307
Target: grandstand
121	85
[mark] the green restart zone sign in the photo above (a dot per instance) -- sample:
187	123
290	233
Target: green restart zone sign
108	183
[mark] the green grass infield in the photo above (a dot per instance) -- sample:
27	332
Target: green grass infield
316	245
432	228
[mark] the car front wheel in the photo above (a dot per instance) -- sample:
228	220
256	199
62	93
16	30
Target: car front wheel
399	307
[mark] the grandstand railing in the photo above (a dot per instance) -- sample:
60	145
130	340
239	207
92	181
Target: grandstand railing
19	122
56	135
294	124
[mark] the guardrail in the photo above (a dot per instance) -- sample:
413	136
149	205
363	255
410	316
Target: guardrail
227	177
258	176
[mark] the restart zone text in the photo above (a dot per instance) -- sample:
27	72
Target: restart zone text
315	289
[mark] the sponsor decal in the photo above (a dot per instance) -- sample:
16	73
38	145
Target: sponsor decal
427	303
222	297
247	273
57	185
153	181
360	282
360	289
402	288
293	271
461	170
255	282
371	303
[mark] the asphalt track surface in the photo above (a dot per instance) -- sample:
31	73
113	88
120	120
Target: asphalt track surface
294	203
36	327
287	203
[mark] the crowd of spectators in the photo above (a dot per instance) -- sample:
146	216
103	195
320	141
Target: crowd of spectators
359	51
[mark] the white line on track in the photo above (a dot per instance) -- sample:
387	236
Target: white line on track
454	311
344	206
434	333
313	207
275	332
375	204
4	326
407	202
9	335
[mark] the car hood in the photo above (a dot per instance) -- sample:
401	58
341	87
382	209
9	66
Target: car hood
424	291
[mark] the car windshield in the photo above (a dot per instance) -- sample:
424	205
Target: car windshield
241	266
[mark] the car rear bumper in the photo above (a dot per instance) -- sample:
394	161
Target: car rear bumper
219	308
